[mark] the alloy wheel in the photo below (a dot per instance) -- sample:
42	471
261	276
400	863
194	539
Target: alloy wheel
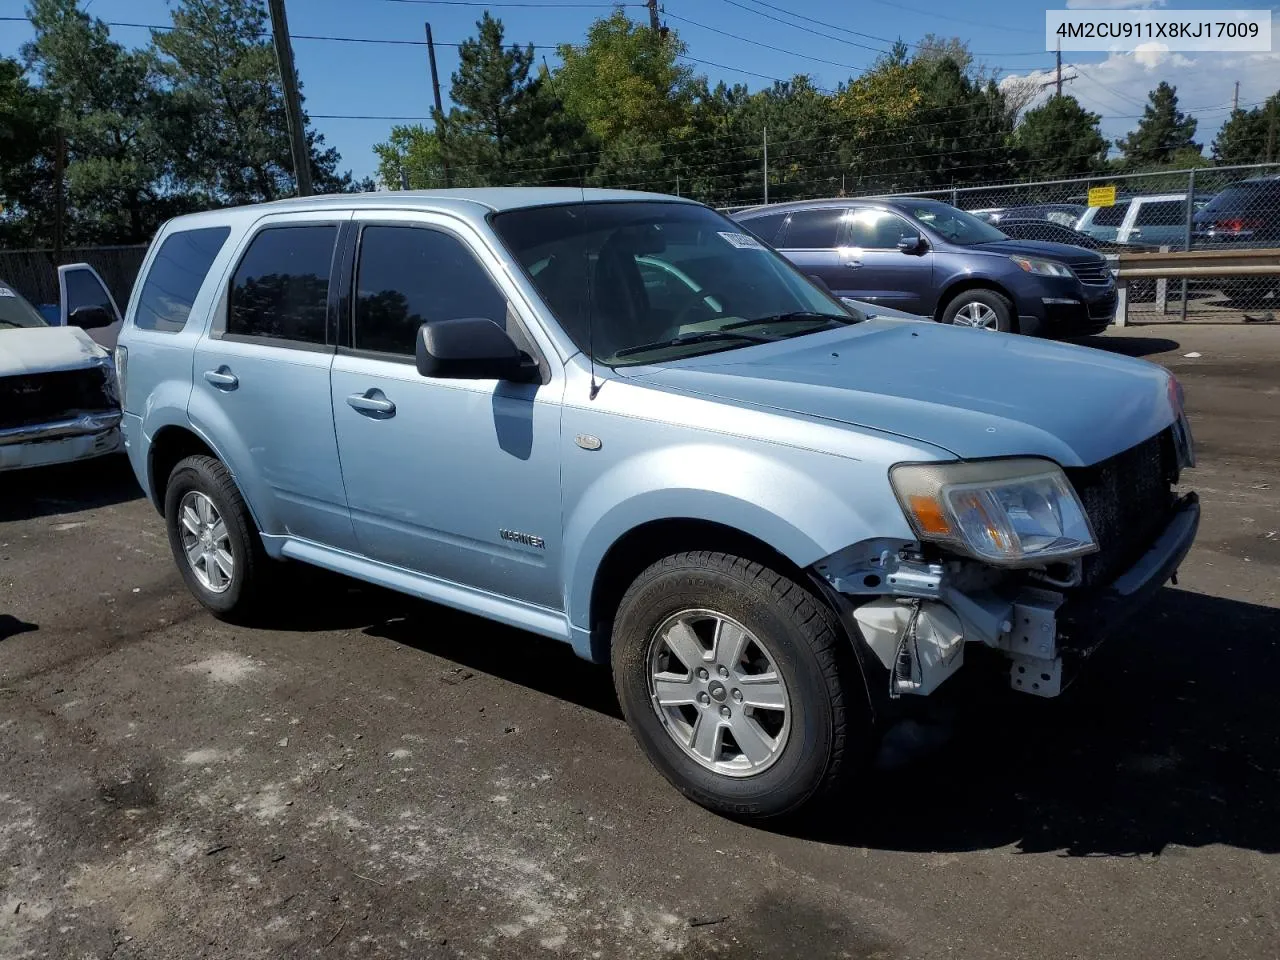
206	542
717	690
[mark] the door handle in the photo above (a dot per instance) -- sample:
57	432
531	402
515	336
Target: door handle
372	404
222	378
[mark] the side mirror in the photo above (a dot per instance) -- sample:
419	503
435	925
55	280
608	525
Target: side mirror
911	243
90	318
818	282
471	348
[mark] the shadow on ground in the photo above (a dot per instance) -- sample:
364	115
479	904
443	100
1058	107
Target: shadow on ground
66	488
1170	737
1130	346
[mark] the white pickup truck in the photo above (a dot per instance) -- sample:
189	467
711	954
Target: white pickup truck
58	396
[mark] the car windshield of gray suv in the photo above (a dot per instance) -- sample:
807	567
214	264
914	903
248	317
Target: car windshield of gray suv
638	282
954	225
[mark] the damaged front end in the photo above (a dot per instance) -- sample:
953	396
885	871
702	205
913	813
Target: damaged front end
1025	558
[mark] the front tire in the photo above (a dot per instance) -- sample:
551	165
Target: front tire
738	685
980	310
214	540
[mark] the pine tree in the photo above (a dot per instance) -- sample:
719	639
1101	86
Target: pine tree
227	110
1163	131
1061	139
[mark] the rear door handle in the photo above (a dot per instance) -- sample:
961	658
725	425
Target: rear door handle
373	402
222	378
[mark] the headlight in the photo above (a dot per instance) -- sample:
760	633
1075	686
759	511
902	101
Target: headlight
1043	268
1012	513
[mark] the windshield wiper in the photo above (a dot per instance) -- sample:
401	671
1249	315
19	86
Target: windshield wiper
795	316
702	336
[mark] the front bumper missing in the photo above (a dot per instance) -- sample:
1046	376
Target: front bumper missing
1045	633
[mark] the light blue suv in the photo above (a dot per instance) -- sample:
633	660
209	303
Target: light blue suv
618	420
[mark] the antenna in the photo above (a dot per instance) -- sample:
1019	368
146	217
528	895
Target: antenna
591	309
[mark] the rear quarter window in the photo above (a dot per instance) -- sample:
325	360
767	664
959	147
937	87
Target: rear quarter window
178	271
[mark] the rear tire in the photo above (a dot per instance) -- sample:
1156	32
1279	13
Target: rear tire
778	717
980	309
214	540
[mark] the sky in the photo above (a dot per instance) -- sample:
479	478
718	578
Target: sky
830	41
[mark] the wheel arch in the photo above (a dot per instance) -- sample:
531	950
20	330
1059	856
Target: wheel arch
168	447
646	544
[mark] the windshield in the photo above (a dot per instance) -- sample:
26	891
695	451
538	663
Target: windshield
640	281
16	312
954	225
1243	196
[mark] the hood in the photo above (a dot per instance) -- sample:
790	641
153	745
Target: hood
42	349
1043	249
974	394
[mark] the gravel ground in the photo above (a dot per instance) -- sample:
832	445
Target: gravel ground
369	775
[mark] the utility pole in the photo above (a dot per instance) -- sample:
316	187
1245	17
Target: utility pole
766	164
59	203
1059	80
653	14
292	104
439	114
1235	98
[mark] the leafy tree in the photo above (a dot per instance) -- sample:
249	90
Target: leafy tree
119	171
1162	132
227	108
411	157
1250	136
26	159
1060	139
626	80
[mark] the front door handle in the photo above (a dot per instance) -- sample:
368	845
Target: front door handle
222	378
372	402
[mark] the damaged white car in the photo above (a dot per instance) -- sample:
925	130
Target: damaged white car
58	396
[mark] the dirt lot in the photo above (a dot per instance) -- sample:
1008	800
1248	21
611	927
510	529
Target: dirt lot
372	776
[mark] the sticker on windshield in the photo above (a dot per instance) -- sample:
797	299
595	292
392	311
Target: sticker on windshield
742	241
6	292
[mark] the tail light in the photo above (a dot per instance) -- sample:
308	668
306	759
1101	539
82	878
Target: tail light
1236	225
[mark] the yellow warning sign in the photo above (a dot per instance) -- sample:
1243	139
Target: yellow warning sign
1102	196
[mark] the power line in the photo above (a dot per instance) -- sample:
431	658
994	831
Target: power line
484	3
872	36
941	16
796	26
760	43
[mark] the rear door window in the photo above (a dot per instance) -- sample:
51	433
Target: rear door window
178	271
814	229
1162	213
280	290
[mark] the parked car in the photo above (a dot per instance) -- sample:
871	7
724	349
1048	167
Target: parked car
80	285
926	257
774	520
1244	214
58	400
1158	220
1063	214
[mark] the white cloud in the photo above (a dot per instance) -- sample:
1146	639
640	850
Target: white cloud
1113	4
1117	87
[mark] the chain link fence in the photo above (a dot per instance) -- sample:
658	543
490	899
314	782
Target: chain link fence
1219	208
